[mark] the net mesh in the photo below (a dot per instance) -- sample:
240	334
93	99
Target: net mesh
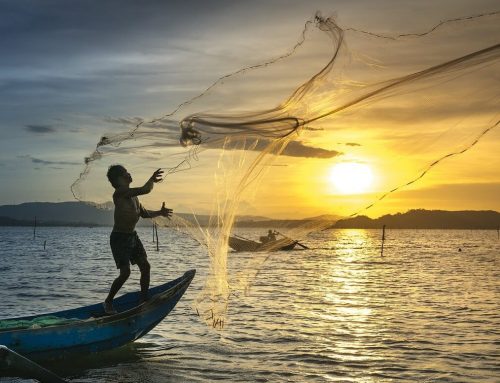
38	322
403	104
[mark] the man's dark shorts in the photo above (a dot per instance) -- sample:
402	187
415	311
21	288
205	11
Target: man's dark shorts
127	248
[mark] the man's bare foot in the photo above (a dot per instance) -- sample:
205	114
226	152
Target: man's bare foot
108	308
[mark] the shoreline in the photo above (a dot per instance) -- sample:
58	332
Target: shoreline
91	226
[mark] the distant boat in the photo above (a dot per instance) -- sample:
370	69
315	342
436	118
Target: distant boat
243	244
88	330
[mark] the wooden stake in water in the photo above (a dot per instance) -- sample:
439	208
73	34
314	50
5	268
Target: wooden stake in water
383	239
154	228
34	229
157	245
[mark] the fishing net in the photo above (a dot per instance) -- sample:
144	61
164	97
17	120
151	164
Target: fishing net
261	140
38	322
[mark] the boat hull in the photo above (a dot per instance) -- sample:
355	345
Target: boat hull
239	244
96	332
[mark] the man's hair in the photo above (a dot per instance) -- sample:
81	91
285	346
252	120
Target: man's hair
115	171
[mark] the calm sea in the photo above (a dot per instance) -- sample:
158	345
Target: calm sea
339	312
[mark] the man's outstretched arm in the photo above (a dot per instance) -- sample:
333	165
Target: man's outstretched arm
163	212
145	189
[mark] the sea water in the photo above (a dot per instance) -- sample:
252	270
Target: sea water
339	312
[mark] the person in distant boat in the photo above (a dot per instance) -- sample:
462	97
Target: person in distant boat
125	243
271	235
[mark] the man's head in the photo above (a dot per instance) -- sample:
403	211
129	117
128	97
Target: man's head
119	176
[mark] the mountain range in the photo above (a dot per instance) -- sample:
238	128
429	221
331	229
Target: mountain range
81	214
426	219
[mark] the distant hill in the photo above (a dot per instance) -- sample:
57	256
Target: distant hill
6	221
50	213
426	219
81	214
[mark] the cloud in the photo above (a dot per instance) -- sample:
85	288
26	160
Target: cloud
293	149
298	149
45	162
40	129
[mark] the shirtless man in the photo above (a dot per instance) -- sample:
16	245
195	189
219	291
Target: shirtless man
271	235
125	243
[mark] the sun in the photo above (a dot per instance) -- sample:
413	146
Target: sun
351	177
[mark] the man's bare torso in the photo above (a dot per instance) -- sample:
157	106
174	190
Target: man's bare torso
127	213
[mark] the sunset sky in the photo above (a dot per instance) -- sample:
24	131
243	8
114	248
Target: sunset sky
73	71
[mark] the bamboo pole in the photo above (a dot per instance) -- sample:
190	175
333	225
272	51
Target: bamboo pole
157	244
383	239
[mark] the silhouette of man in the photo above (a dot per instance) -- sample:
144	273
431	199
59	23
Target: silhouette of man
125	244
271	235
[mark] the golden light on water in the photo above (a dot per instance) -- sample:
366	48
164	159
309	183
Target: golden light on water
351	177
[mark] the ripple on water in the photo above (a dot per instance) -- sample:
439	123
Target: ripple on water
337	312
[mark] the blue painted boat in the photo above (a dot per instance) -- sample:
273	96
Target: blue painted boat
88	330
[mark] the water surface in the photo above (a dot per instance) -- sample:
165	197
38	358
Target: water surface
339	312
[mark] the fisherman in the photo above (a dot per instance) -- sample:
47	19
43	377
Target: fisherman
271	235
125	243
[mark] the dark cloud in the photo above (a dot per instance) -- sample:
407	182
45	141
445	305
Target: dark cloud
293	149
91	55
352	144
45	162
298	149
40	129
58	29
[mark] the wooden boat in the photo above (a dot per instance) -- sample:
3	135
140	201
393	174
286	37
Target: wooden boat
88	330
241	244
